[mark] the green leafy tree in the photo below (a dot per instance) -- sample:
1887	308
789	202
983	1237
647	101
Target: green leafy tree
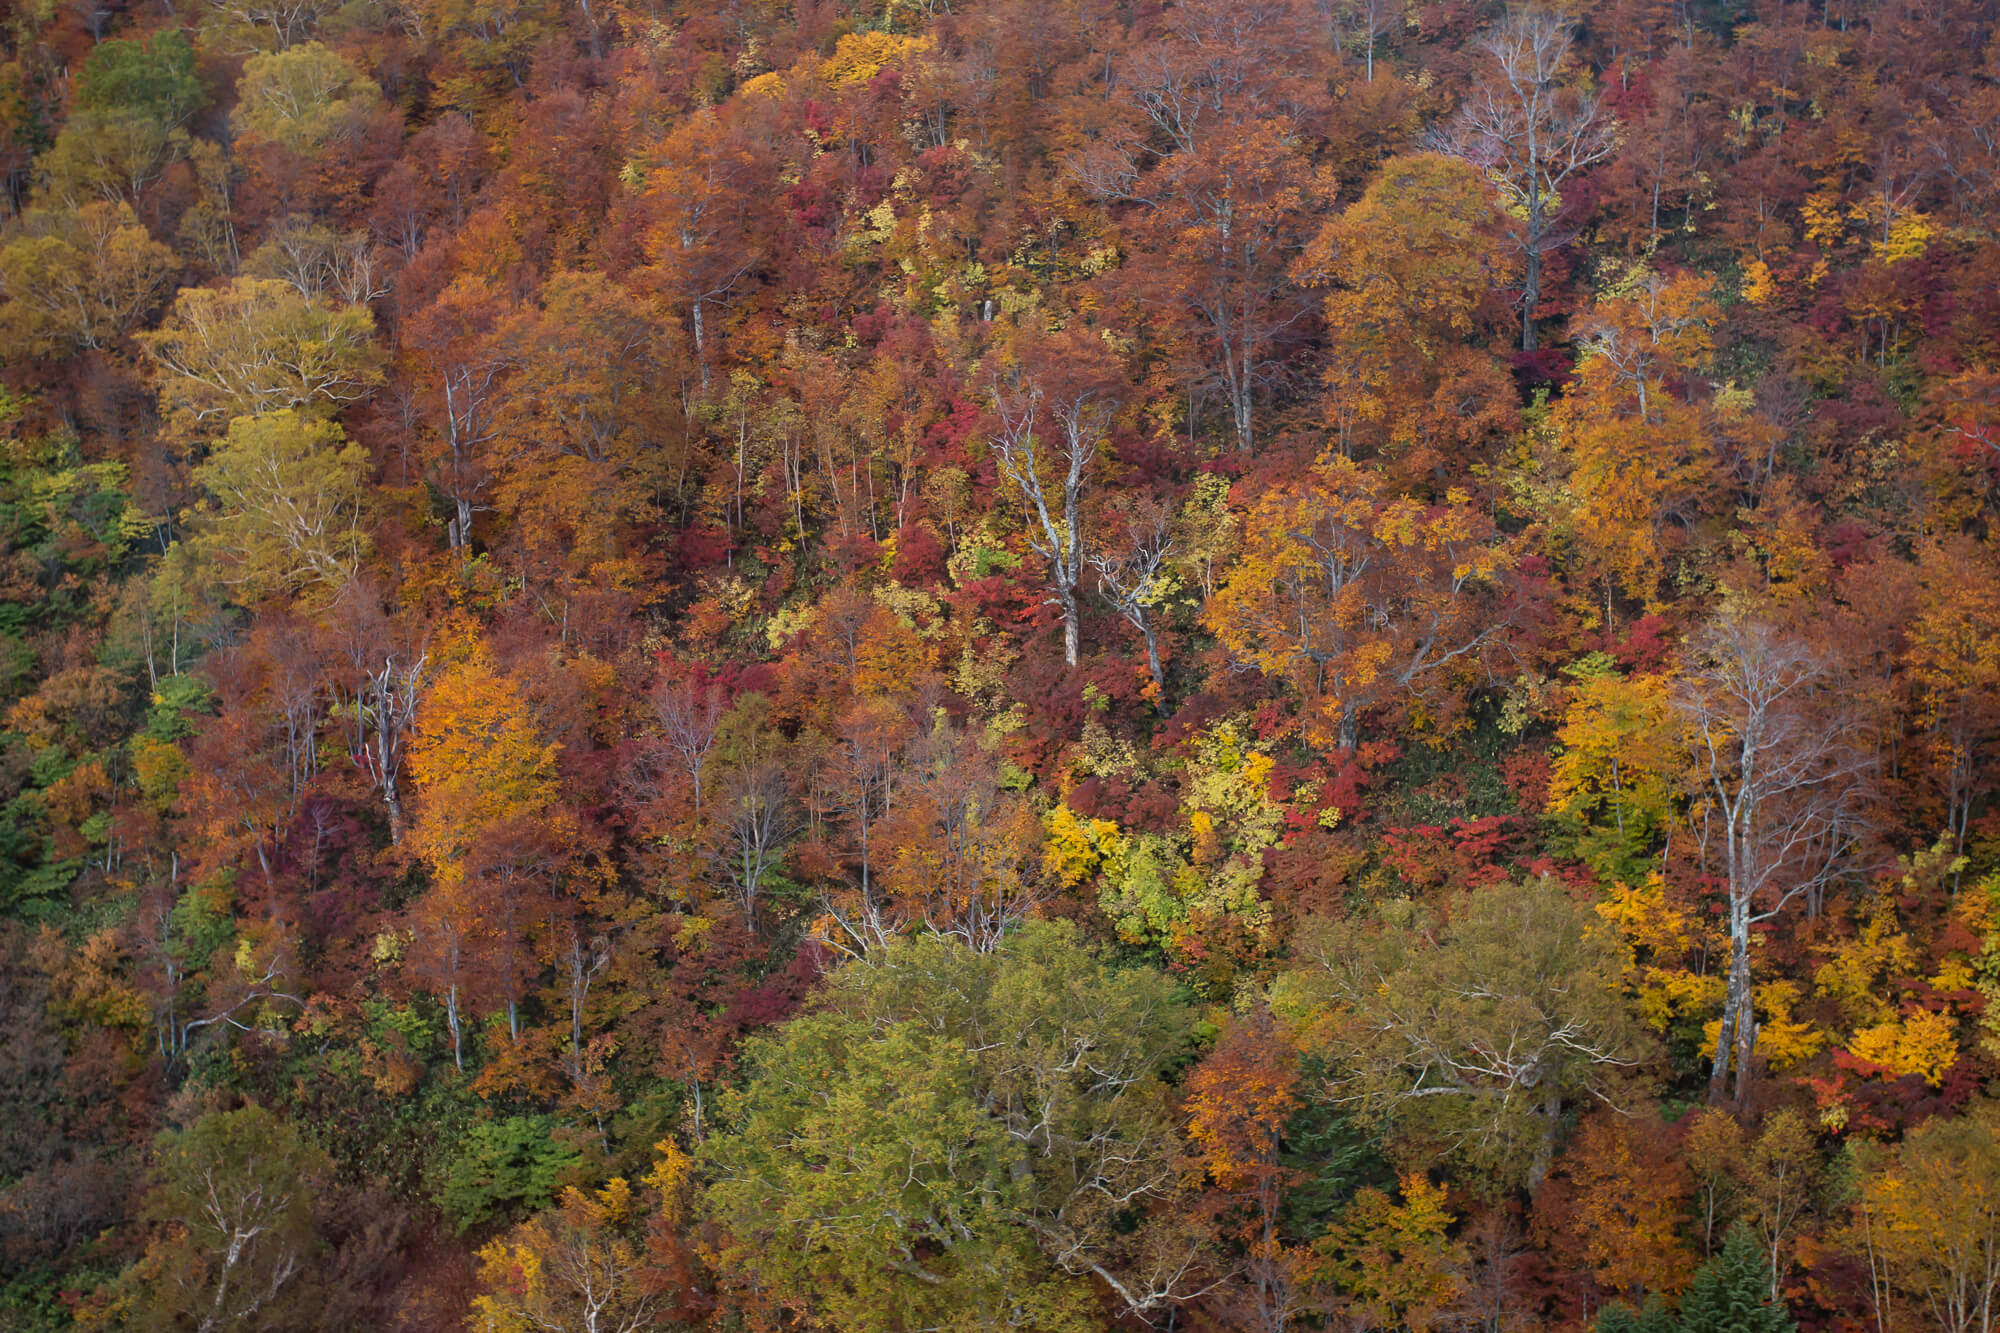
958	1137
1473	1029
152	77
301	97
288	492
258	345
234	1204
1653	1317
107	155
504	1169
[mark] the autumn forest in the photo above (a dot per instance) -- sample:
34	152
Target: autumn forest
1050	665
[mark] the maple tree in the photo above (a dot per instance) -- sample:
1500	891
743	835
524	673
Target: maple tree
1407	266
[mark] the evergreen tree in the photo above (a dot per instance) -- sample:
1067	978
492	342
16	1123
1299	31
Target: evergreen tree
1619	1317
1731	1293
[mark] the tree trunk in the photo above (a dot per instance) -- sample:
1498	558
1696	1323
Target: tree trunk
700	345
1738	1034
1531	293
451	1021
394	804
1531	277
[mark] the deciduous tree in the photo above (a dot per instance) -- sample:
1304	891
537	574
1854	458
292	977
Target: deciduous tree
288	492
1474	1031
1532	129
1357	598
1778	783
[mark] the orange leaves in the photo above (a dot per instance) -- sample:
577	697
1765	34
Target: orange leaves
1407	265
478	760
1356	598
1641	454
1238	1101
1620	1198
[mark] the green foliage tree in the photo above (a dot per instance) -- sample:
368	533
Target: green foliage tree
1653	1317
234	1201
288	494
302	97
152	77
258	345
505	1168
1732	1292
1472	1028
958	1137
106	155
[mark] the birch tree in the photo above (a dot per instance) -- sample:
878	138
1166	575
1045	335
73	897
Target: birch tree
1053	418
1777	791
1533	130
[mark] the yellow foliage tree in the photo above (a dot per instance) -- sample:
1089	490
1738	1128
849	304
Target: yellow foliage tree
1924	1043
1394	1261
1931	1220
478	761
1641	458
1615	778
1077	848
572	1267
1658	938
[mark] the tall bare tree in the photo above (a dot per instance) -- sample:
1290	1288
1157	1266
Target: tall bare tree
1132	575
1778	791
1531	129
1053	418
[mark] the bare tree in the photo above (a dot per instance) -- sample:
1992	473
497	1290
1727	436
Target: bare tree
1364	23
1052	422
388	708
376	696
1531	133
759	816
689	716
1777	792
1131	576
963	856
